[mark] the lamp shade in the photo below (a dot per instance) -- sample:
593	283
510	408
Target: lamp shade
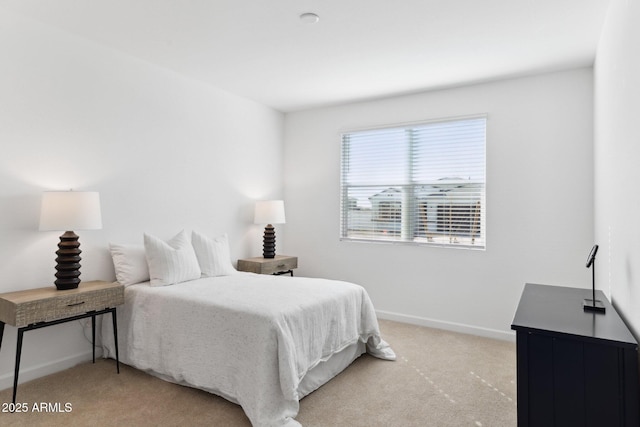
70	210
269	212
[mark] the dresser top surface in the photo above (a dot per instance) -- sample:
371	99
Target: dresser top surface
558	310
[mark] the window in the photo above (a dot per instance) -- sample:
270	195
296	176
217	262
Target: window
421	184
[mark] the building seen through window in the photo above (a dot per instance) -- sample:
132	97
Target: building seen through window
398	184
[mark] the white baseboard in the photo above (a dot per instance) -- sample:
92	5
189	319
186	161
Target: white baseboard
449	326
33	372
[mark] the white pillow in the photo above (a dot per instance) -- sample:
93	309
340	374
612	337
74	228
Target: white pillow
213	255
130	263
171	262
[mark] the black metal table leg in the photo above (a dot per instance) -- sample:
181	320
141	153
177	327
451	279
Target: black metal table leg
1	333
93	336
17	368
280	273
115	337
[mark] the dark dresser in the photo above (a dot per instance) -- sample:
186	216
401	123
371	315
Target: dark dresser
575	368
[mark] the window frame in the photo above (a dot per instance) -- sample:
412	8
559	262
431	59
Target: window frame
409	227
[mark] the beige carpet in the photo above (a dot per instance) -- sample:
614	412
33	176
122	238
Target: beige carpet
440	379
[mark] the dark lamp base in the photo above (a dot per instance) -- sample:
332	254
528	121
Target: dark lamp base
597	308
269	242
68	262
63	285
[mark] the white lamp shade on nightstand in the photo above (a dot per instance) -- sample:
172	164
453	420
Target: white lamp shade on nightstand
70	210
269	212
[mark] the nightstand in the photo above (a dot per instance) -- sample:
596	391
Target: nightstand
38	308
281	264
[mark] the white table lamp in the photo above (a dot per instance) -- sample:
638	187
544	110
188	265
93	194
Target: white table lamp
66	211
269	212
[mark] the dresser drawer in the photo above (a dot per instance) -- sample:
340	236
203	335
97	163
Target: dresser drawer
24	308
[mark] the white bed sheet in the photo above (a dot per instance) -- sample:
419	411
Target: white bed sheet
246	337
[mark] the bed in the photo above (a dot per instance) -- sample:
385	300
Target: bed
263	342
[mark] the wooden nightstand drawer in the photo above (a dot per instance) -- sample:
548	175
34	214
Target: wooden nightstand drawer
46	304
268	265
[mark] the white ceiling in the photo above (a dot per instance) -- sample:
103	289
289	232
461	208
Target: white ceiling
360	49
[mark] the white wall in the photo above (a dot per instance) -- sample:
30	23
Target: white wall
165	153
539	202
617	159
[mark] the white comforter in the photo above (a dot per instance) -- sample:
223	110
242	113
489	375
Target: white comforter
249	338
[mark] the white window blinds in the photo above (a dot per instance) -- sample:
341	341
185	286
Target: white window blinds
422	184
